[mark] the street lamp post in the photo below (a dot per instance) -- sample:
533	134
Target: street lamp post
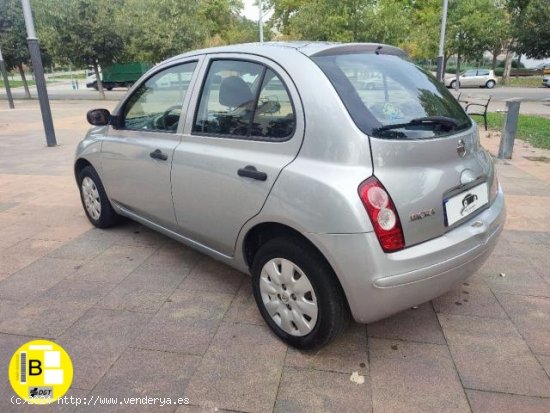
441	54
260	21
36	58
6	81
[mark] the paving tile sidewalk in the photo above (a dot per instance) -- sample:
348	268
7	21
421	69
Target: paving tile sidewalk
144	316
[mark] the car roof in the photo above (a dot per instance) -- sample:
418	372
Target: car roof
307	48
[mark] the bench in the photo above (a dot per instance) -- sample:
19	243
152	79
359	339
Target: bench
475	105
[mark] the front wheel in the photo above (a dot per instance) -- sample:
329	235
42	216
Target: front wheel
298	294
453	84
490	84
96	205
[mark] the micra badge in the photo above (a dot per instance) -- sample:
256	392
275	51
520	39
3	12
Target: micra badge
422	214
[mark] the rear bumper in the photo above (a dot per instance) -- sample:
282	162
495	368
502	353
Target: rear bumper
378	284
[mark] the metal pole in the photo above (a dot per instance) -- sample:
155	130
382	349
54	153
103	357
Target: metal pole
6	81
509	129
260	21
38	69
441	54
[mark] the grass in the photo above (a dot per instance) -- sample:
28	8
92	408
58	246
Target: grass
533	129
16	83
79	76
524	81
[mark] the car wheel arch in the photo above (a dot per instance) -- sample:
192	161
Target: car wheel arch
80	164
265	231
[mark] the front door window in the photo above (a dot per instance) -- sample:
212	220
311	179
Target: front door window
156	104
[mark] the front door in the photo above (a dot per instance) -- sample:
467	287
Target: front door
137	155
468	78
246	126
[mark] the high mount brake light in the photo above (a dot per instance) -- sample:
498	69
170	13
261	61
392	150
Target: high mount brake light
382	214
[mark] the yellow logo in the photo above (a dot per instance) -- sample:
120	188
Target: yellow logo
41	372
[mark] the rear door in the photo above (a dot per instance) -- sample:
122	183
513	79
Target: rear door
244	127
482	77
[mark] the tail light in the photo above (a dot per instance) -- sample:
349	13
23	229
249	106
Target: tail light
383	214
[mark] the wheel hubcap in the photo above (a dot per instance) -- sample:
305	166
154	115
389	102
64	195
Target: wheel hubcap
288	297
90	195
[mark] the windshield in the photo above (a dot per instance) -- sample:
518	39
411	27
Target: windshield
380	91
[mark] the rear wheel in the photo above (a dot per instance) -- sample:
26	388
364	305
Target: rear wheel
96	205
490	84
298	294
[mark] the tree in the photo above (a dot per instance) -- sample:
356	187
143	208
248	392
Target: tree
532	30
470	28
515	10
499	31
157	30
81	32
343	20
13	38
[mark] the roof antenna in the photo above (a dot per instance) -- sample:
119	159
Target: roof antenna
377	51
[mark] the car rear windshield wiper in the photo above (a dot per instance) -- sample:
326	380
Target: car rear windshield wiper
449	123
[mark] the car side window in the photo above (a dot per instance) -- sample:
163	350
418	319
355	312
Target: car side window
470	73
483	73
156	104
244	100
274	116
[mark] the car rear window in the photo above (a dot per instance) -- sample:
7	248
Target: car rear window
387	96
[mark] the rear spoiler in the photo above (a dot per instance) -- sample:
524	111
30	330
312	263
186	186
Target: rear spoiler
355	48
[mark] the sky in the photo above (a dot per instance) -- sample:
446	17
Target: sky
251	10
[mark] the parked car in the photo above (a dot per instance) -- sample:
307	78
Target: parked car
546	81
473	78
335	199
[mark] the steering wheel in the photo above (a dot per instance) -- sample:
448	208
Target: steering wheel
160	122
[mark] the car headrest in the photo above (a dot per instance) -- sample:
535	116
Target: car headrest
234	92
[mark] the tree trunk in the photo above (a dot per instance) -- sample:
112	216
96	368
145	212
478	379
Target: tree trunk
99	82
457	83
508	63
445	61
24	79
494	62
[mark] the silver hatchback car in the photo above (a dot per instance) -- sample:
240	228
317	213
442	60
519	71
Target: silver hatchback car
274	159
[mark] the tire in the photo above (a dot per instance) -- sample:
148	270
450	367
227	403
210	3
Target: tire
92	193
95	86
305	316
490	84
452	84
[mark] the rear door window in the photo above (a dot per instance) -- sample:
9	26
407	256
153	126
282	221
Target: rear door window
245	100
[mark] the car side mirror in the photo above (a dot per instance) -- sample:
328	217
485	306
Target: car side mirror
98	117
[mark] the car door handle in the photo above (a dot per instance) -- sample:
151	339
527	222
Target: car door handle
157	154
250	171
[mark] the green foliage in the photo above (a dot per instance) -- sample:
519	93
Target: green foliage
13	33
343	20
80	32
533	129
532	31
160	29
